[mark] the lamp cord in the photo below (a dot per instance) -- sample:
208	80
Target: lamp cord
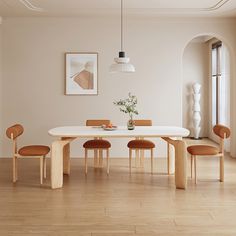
121	24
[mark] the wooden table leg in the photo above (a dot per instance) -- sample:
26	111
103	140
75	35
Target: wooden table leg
57	164
180	162
57	151
66	158
170	159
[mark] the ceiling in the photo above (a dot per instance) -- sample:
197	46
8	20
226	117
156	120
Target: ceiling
195	8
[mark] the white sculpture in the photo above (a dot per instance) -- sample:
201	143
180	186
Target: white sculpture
196	110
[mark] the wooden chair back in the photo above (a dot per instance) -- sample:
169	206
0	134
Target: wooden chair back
143	122
221	131
97	122
14	131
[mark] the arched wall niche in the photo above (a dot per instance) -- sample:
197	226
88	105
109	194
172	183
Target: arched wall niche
231	52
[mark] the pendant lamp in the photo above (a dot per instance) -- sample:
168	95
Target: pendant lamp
121	63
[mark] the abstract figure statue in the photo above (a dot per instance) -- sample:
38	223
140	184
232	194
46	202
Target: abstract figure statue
196	110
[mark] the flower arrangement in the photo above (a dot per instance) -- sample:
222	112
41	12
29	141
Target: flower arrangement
128	106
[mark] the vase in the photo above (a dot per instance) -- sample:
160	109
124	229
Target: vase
130	124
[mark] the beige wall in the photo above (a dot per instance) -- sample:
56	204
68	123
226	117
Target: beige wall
196	70
33	69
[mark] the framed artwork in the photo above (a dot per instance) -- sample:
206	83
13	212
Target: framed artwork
81	74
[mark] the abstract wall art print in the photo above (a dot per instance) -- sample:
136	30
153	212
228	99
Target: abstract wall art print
81	74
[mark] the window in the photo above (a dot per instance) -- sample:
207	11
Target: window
220	87
216	81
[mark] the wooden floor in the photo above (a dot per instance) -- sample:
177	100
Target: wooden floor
140	204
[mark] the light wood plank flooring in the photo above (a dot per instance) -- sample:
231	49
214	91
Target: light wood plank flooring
121	204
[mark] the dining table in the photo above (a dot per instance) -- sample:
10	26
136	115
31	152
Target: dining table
60	147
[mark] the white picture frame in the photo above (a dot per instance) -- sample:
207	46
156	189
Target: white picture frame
81	73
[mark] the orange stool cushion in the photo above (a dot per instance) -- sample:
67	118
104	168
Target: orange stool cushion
34	150
140	144
97	143
202	150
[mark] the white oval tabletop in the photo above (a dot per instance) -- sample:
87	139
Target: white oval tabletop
121	131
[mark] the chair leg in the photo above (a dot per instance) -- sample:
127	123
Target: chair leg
222	168
130	159
152	161
44	167
14	170
95	157
191	166
41	169
195	169
142	158
85	159
137	158
100	158
108	166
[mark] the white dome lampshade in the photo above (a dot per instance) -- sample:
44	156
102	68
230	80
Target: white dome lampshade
122	64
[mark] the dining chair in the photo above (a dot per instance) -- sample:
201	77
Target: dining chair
36	151
222	132
139	145
98	145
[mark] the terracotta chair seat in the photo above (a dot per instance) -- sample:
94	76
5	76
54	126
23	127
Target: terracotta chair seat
202	150
140	144
34	150
96	143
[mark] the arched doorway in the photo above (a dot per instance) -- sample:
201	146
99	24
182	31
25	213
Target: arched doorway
206	60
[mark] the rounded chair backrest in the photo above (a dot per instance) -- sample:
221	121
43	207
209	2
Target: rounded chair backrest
221	131
143	122
97	122
14	131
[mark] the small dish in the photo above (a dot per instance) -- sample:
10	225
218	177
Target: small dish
110	128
